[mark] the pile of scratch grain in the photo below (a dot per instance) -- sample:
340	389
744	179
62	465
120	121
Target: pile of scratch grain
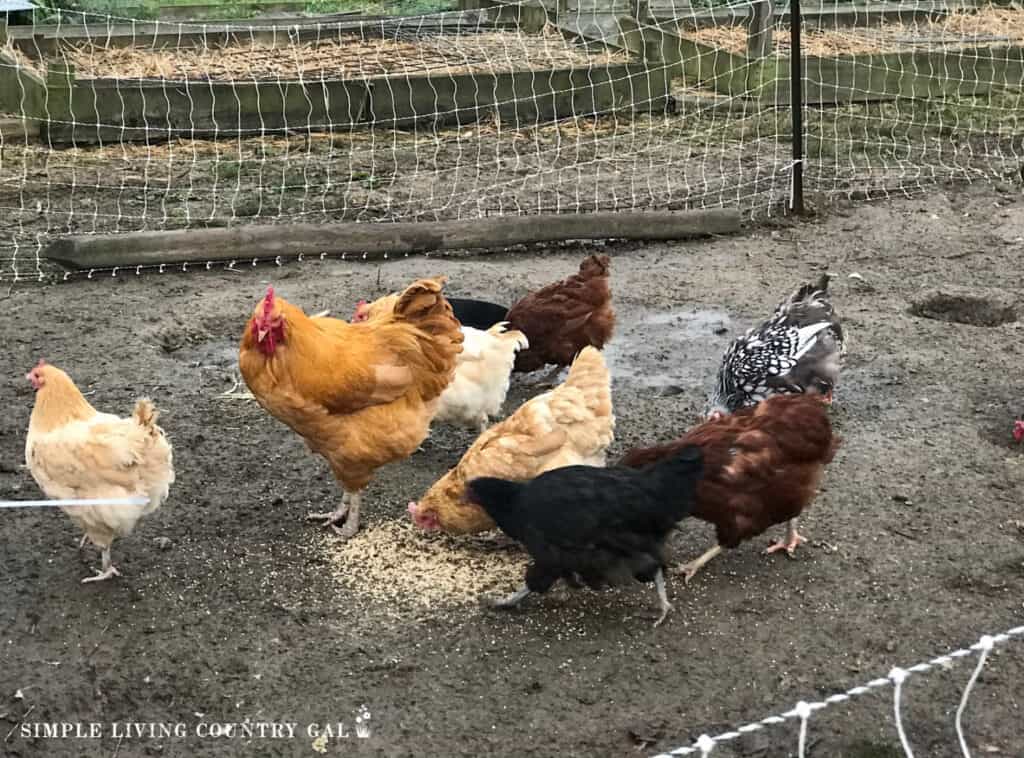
398	564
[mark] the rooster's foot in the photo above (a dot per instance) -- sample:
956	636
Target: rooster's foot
789	544
330	518
347	512
108	573
346	532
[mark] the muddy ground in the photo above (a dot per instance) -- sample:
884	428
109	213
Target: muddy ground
916	538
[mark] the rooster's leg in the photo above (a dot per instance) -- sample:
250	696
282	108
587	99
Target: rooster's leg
81	542
793	539
352	521
109	570
666	606
509	601
689	570
332	517
482	423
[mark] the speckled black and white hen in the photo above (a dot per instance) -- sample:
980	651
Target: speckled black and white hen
797	350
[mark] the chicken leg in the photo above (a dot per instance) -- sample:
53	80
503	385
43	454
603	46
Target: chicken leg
348	512
666	606
793	539
689	570
109	569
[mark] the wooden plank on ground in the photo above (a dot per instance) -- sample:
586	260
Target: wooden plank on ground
379	239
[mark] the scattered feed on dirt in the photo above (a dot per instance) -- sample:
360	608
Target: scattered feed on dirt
965	308
343	58
396	563
986	27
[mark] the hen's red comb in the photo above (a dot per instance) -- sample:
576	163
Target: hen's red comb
268	301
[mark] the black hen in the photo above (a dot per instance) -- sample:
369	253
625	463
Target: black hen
478	314
593	526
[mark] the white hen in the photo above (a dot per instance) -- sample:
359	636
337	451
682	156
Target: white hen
482	376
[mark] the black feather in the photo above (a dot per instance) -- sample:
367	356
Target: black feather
595	526
478	314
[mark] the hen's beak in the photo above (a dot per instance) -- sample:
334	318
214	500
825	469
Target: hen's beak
261	334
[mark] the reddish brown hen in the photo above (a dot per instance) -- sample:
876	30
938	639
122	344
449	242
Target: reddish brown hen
762	466
563	318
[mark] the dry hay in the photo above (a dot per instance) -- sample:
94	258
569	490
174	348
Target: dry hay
350	58
988	26
395	563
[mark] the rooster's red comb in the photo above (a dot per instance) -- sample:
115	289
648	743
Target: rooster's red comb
268	301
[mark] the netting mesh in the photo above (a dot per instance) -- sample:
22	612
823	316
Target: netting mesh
117	125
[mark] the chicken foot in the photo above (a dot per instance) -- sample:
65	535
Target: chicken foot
348	512
666	606
689	570
790	543
508	601
109	570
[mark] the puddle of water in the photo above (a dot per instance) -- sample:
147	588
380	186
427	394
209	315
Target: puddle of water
659	349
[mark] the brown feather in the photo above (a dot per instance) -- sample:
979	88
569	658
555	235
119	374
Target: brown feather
762	465
562	318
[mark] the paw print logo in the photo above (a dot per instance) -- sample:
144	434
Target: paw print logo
363	722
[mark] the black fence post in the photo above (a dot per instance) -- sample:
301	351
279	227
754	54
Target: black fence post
796	193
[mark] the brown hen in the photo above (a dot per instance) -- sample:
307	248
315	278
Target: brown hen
762	466
561	319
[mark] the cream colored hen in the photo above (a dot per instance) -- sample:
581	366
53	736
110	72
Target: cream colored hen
482	376
570	425
74	451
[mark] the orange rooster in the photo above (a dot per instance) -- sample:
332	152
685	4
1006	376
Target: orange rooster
361	395
73	451
762	466
562	318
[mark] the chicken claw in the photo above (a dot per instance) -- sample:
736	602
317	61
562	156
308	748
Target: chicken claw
790	543
689	570
101	576
348	512
109	570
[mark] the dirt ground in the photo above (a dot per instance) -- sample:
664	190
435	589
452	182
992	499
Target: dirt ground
917	541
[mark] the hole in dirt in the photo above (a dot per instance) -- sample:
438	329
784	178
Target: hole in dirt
959	308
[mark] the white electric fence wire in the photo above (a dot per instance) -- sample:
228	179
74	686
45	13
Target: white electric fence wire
897	677
73	502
